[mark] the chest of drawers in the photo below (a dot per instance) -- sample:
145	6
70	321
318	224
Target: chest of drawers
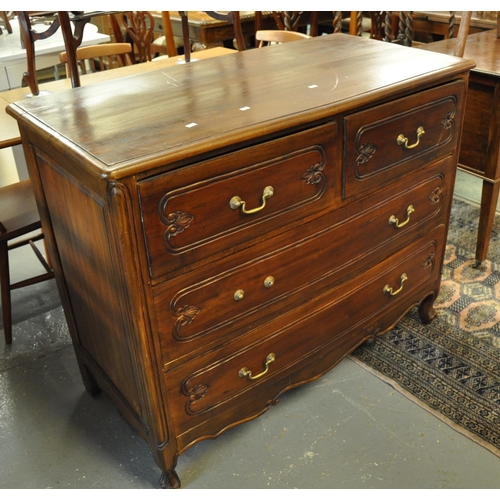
233	228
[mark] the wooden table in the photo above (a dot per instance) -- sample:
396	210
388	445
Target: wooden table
9	131
437	22
480	146
211	32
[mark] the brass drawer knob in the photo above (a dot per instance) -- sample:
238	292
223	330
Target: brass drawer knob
395	221
269	282
403	141
239	294
236	202
245	372
388	289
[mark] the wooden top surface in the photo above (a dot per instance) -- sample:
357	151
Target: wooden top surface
161	116
9	131
483	48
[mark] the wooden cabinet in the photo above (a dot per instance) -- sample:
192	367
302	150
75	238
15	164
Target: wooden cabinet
233	228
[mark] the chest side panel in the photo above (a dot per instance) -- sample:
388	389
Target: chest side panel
87	252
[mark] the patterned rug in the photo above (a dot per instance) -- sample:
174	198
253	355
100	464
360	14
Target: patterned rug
452	366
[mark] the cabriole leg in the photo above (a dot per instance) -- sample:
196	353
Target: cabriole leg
170	479
426	310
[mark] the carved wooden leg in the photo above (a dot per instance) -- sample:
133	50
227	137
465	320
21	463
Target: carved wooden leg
170	479
371	340
426	310
489	199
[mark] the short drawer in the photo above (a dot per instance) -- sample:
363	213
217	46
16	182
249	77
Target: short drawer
378	297
391	140
239	199
198	309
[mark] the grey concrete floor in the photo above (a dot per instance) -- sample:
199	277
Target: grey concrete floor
348	430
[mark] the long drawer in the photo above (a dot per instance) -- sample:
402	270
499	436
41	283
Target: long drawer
203	387
238	199
198	309
392	140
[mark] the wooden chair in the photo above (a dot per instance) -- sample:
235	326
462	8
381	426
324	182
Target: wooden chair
28	37
378	21
463	32
232	17
266	37
290	20
399	28
72	39
100	57
4	17
136	27
18	217
166	43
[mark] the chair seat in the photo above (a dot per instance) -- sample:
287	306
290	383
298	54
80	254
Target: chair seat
18	210
18	217
161	42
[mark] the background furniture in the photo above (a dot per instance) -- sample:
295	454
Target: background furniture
4	19
440	23
73	38
13	56
166	43
100	57
294	20
140	25
18	217
204	29
265	37
480	145
210	29
136	27
193	269
405	27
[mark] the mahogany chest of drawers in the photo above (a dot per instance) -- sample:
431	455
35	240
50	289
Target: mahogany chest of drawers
229	229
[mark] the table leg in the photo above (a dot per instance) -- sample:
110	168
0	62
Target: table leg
489	200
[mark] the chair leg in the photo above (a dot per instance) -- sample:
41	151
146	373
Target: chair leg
5	288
